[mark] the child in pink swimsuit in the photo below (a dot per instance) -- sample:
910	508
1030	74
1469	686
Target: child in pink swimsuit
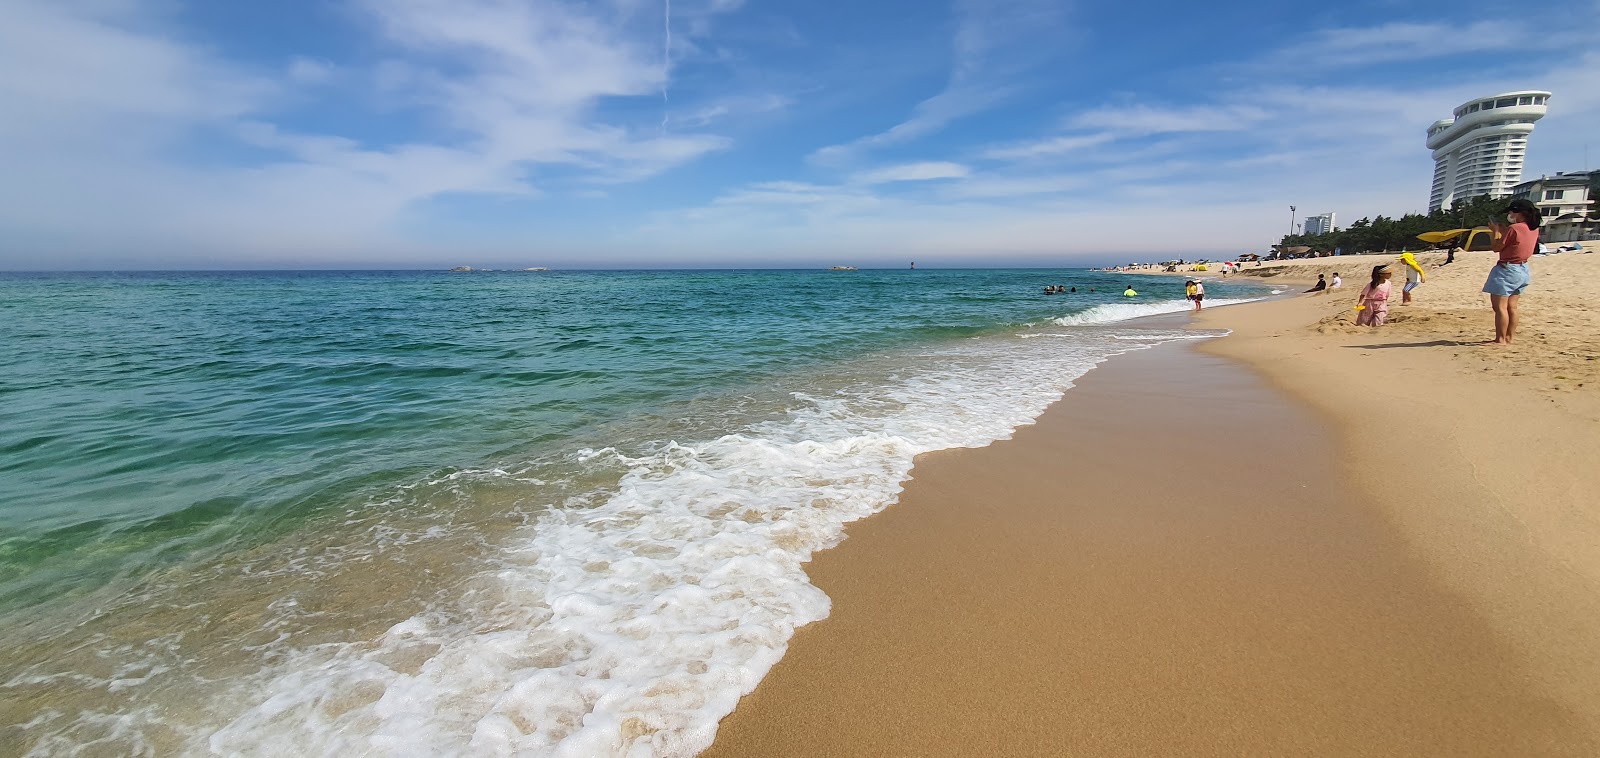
1375	299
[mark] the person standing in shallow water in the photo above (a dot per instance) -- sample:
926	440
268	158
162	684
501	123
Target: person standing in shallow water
1515	241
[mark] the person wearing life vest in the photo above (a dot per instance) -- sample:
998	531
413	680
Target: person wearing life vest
1129	292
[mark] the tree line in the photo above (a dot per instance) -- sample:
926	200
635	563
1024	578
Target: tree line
1385	233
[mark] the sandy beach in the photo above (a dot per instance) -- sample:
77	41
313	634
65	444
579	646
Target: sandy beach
1304	538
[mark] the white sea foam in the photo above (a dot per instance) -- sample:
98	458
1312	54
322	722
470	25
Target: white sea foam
630	623
1206	335
1113	312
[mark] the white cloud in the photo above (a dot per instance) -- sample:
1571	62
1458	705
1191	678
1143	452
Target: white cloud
995	41
723	108
304	70
1049	146
1003	186
1213	175
1401	41
787	194
912	172
535	100
928	117
1141	120
101	99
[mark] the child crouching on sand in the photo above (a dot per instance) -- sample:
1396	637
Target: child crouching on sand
1373	309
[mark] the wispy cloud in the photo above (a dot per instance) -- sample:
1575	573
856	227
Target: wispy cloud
994	42
1141	120
443	120
1046	147
1213	169
1401	41
99	102
912	172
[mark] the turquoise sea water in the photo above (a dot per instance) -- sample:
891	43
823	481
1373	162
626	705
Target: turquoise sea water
492	511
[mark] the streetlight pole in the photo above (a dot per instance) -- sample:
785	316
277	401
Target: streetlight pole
1291	219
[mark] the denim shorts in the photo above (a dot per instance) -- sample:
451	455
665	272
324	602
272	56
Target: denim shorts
1507	279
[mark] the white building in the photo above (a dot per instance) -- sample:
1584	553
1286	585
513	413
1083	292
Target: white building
1480	150
1563	201
1321	224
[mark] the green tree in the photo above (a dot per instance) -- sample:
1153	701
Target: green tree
1385	233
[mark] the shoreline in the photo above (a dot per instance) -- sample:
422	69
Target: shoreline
1486	557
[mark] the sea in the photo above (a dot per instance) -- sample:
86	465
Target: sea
489	513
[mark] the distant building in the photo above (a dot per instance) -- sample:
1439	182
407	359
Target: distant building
1563	201
1480	150
1321	224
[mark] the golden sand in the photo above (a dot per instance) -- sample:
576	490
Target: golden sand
1385	542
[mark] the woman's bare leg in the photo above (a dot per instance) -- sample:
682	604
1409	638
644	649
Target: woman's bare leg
1498	303
1511	317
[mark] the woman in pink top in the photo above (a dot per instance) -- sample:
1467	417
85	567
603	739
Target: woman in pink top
1510	276
1374	307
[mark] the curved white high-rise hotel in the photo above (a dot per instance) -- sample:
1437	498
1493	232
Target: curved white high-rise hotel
1480	150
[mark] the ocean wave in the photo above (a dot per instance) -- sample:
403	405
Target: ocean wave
633	623
1113	312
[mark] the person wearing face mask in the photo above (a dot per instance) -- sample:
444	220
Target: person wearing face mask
1515	241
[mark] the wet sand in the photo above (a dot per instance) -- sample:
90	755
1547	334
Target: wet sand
1143	574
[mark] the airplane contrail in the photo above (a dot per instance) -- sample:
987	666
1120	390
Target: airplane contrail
666	64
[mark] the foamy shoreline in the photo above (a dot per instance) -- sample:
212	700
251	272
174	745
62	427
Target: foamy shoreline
1469	459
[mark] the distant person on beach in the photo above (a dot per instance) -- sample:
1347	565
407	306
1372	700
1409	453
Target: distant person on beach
1321	285
1414	277
1337	282
1515	242
1373	309
1199	293
1450	255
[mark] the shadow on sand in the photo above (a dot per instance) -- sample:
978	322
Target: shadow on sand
1433	343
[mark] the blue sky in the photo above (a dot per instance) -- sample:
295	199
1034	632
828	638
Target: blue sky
647	133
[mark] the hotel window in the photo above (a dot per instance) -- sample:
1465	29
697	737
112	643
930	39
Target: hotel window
1527	100
1505	102
1472	108
1548	211
1553	194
